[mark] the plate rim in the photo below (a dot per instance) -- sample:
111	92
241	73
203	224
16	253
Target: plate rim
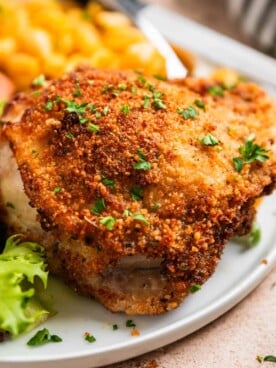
173	332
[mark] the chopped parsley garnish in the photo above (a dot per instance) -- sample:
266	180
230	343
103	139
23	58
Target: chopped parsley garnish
72	106
107	88
49	105
133	90
57	190
155	207
69	136
159	104
270	358
93	128
127	213
200	104
216	91
141	79
89	338
130	323
136	193
141	218
99	207
105	110
108	222
125	109
136	216
108	183
194	288
92	108
238	163
115	327
189	113
142	164
209	140
43	337
83	120
156	97
252	239
250	152
2	106
77	92
39	81
160	77
35	94
122	86
146	102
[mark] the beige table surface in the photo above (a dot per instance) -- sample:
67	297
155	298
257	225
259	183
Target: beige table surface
249	329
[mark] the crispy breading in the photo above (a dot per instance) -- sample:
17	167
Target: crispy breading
190	200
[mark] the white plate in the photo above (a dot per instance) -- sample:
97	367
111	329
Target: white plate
238	273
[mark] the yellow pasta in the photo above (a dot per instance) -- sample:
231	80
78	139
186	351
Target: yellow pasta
50	37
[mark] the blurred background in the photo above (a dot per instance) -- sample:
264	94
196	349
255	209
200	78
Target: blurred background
250	21
50	37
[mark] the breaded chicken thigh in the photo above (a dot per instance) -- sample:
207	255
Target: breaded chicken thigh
134	185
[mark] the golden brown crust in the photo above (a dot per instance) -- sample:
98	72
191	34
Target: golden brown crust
202	200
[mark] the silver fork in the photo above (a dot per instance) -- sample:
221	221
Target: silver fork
174	67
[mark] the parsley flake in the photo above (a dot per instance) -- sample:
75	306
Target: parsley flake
194	288
189	113
92	108
141	218
72	106
77	92
108	222
200	104
89	338
155	207
127	213
136	193
115	327
93	128
209	140
253	152
108	183
98	207
122	86
48	106
105	110
142	164
57	190
216	91
125	109
238	163
43	337
69	136
130	323
141	79
133	90
39	81
250	152
252	239
146	102
270	358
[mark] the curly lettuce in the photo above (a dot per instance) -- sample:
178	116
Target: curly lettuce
22	275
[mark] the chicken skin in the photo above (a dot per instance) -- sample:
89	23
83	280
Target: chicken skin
133	185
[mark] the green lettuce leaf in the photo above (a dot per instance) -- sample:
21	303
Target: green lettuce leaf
22	274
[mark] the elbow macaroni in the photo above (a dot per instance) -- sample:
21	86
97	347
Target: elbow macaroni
50	37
